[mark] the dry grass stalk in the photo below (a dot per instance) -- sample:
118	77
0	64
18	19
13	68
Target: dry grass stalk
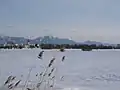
27	79
41	77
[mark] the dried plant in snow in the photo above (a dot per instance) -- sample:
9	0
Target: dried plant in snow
45	79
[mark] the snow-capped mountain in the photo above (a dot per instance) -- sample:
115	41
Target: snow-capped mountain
39	40
45	40
16	40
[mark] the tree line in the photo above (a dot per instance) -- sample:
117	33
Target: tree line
58	46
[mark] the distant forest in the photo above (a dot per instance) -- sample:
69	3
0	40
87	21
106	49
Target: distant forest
56	46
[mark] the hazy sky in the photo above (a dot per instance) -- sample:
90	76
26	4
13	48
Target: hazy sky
79	19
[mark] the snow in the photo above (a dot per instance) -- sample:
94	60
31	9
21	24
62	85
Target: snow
93	70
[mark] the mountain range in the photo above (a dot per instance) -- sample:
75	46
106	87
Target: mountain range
45	40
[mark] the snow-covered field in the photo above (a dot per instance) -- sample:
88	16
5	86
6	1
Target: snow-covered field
82	70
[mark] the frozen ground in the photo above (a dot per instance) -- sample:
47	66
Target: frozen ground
94	70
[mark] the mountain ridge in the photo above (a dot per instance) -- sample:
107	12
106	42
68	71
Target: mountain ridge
45	40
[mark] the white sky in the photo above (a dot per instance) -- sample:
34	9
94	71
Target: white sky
77	19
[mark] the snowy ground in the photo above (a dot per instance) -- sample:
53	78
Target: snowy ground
94	70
